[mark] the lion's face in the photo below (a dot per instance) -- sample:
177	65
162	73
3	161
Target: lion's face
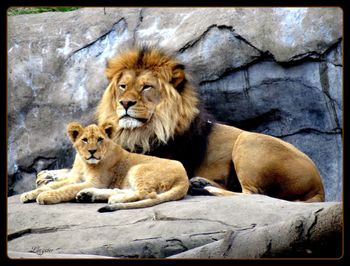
91	142
137	96
149	98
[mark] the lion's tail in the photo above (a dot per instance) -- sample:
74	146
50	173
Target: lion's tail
175	193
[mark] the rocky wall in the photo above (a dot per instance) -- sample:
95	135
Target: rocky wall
271	70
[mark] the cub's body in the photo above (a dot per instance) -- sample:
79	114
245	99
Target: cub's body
126	180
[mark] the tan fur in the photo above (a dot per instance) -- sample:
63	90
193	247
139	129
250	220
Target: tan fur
158	106
144	179
263	164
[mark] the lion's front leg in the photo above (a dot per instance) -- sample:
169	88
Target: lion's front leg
52	176
200	186
30	196
33	195
63	194
46	176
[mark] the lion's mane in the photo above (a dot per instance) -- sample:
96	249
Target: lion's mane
173	115
179	127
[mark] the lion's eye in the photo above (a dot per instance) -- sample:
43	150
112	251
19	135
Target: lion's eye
85	140
99	140
122	87
147	88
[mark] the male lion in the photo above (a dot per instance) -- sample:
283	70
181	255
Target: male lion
156	111
138	180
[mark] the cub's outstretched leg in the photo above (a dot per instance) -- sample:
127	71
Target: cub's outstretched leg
33	194
63	194
57	191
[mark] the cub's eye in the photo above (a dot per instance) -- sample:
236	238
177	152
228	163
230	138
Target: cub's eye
146	87
122	87
99	140
85	140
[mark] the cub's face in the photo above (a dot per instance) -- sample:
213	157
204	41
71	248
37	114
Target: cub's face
137	95
91	142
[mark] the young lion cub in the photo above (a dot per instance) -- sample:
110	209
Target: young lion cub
137	180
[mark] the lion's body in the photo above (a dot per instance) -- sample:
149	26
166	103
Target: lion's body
263	164
156	111
133	180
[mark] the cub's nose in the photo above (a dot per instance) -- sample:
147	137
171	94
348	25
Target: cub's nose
92	151
127	104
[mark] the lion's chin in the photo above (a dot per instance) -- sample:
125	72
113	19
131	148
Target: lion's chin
130	122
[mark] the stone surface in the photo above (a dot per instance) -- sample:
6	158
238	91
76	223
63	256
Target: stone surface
178	229
42	253
52	69
271	70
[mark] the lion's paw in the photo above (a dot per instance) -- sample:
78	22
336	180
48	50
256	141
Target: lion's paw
86	195
44	177
27	197
198	186
46	197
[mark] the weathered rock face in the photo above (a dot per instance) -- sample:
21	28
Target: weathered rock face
271	70
248	226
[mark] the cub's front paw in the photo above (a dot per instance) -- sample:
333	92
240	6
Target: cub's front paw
47	197
28	197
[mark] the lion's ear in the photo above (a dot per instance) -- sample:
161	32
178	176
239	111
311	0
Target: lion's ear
74	129
109	129
178	78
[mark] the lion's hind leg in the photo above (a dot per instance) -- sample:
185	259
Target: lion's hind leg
125	195
96	194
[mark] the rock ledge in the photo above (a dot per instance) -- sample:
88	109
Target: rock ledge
248	226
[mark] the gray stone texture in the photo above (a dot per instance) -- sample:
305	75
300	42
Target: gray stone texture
271	70
247	226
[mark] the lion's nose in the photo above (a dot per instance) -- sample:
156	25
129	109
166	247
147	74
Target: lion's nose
92	151
127	104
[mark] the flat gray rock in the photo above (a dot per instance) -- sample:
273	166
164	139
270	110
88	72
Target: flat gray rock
247	226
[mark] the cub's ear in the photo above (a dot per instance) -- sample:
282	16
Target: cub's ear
178	78
109	129
74	129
